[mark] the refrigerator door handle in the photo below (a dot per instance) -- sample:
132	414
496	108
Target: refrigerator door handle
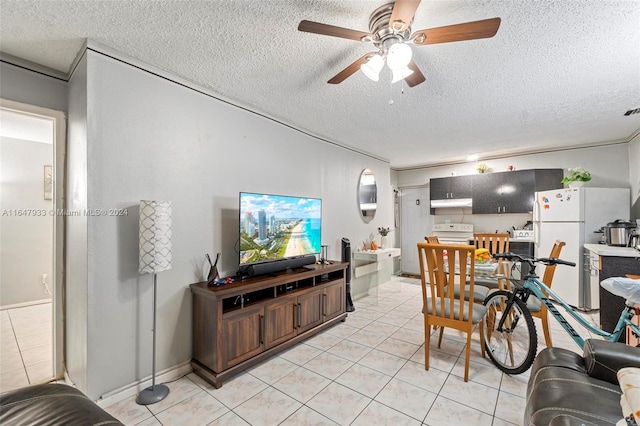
536	209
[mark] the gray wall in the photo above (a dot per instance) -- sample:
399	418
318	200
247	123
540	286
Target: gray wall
26	243
76	288
608	166
148	138
20	85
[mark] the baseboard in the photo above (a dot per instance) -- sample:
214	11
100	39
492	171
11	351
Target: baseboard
24	304
168	375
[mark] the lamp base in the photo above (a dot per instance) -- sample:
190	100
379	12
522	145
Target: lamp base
152	394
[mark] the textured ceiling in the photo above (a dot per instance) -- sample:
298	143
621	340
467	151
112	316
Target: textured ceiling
557	74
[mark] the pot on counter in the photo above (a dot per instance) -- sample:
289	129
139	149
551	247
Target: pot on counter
617	233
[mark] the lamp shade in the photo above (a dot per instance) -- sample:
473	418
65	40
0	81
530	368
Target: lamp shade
401	74
372	67
155	236
399	56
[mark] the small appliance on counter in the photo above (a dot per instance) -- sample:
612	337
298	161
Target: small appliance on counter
523	234
618	233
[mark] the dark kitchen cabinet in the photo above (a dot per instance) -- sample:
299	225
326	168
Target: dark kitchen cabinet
512	192
453	187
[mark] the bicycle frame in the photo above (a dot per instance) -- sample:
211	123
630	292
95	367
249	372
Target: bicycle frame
533	285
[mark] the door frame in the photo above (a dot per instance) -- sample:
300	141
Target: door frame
59	179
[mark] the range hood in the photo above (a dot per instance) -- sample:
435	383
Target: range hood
455	202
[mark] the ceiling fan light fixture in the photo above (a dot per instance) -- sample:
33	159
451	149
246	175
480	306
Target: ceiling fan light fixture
401	74
372	67
399	56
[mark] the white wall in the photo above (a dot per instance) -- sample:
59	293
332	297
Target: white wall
148	138
26	243
634	176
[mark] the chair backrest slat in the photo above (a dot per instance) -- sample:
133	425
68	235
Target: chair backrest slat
495	243
550	270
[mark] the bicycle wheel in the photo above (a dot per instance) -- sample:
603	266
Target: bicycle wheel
513	348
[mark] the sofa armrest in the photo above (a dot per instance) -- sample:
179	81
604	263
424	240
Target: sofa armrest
603	359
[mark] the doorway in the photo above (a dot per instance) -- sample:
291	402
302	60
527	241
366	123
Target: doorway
32	141
416	224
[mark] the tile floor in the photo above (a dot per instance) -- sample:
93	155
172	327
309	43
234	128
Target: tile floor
367	370
26	355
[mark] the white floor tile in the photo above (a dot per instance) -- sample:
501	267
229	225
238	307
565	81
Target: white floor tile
328	365
301	384
379	414
474	395
199	409
238	390
128	412
445	412
267	408
338	403
406	398
305	416
363	380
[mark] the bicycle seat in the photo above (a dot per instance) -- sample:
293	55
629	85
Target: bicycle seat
623	287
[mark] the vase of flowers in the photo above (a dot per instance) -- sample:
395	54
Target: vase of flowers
383	231
576	177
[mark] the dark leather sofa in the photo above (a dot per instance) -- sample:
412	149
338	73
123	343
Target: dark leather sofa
568	389
51	405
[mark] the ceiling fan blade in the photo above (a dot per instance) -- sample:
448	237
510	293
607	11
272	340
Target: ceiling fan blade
350	70
485	28
333	31
415	78
402	15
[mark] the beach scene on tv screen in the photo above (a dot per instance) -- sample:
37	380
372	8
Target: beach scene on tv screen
274	227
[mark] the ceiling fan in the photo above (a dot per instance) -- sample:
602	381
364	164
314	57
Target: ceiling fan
390	33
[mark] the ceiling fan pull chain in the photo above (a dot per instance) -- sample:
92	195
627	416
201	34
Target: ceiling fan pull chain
391	91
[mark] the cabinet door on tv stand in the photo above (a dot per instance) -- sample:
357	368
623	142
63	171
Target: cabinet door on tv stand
242	336
279	321
334	300
309	312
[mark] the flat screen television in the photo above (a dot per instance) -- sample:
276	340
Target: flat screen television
276	227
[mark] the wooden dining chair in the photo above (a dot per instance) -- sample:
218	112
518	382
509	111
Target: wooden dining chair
442	307
536	307
495	243
432	239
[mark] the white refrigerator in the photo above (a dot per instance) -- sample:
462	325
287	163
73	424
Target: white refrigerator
573	215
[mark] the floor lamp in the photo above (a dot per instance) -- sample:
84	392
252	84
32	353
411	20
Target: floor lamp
155	256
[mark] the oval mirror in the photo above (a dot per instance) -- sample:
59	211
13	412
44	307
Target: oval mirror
367	195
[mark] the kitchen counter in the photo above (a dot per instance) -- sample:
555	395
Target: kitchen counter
605	250
611	262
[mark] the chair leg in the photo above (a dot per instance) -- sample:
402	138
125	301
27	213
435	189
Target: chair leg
440	337
427	339
481	325
467	356
545	328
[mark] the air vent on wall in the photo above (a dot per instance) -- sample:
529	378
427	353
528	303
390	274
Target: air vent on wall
632	111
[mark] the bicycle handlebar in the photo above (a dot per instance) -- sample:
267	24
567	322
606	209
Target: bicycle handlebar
532	260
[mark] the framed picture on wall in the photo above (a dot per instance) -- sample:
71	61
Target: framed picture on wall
48	182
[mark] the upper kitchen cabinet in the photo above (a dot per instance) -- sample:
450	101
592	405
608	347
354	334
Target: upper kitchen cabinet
512	192
453	187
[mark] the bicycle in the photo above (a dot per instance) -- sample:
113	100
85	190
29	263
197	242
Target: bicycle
510	334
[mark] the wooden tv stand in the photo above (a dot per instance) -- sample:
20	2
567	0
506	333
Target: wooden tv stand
237	325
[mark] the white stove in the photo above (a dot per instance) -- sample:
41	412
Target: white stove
453	233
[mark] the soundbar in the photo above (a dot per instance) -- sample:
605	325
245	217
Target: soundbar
279	265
